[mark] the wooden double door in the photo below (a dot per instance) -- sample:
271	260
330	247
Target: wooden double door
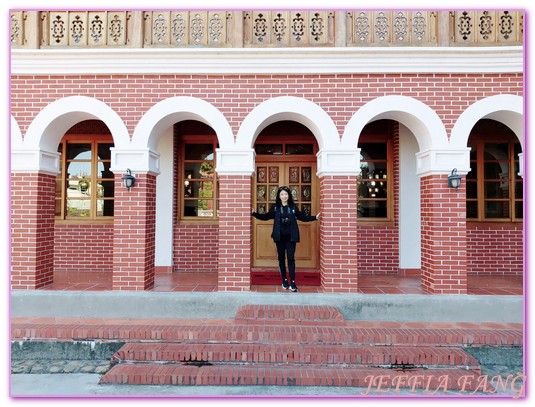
301	178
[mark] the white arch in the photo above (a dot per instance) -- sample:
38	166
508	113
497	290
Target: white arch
49	126
292	108
415	115
169	111
16	134
506	109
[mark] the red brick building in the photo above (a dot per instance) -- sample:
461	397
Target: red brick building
363	114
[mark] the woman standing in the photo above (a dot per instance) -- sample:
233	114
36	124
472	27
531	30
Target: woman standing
285	232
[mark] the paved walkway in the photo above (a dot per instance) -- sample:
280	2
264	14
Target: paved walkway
77	384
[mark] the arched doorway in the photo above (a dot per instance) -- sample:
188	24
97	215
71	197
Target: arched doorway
286	155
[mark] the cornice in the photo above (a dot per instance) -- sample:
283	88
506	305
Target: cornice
109	61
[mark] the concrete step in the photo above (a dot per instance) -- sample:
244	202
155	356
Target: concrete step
217	353
291	375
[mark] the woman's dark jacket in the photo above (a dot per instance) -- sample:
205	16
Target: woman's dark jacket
275	213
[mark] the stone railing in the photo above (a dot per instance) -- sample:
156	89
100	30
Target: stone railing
144	29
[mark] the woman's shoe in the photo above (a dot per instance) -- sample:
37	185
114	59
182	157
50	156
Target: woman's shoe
293	287
285	284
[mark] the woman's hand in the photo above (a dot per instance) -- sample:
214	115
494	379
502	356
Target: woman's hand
318	216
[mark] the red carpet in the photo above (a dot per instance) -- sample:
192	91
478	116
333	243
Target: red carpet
272	277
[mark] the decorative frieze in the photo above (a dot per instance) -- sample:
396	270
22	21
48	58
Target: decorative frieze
264	29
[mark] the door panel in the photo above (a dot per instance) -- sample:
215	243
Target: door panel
301	178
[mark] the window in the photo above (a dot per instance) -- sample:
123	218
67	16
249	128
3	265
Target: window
494	190
198	179
374	183
85	185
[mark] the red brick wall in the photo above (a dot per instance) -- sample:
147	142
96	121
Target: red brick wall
195	247
83	247
32	230
235	233
338	233
340	95
443	220
134	233
131	96
378	249
495	248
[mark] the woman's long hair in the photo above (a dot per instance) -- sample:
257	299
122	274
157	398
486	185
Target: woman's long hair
278	201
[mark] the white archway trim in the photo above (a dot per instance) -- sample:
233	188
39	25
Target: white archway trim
16	134
169	111
423	122
435	155
506	109
142	155
331	159
292	108
30	159
38	150
49	126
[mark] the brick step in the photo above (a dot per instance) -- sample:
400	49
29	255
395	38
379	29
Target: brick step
292	375
217	353
245	333
282	314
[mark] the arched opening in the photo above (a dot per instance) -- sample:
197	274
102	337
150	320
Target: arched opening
494	201
84	206
196	198
286	155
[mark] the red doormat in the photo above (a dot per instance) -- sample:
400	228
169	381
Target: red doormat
273	277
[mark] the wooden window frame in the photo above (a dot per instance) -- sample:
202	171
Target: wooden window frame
93	140
388	140
196	139
480	141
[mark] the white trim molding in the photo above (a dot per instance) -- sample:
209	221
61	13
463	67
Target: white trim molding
104	61
235	162
442	161
141	160
32	160
339	162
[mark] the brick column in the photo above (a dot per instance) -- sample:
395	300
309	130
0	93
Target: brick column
134	233
338	234
235	233
32	230
443	222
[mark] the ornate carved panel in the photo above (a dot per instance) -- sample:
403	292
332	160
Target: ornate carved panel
117	28
365	28
77	29
97	29
84	28
487	27
187	28
288	28
17	28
